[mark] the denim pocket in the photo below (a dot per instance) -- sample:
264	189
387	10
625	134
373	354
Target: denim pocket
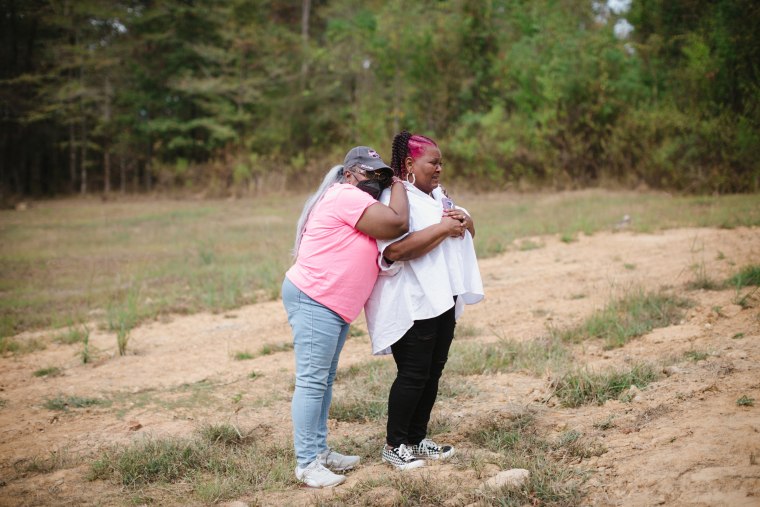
291	297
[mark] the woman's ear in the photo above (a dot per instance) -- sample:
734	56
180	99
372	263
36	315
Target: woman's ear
408	163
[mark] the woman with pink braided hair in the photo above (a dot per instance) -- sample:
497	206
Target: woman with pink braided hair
427	276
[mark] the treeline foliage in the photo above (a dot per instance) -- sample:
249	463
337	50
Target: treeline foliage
235	95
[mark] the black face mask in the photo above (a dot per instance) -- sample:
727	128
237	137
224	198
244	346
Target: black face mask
372	187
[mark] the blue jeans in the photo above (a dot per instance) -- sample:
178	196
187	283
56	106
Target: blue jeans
318	337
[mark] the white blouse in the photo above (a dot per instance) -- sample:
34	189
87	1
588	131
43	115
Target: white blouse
421	288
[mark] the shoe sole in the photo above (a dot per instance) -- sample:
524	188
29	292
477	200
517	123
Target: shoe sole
434	458
409	466
308	486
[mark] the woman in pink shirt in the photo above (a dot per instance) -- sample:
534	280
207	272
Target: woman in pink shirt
326	288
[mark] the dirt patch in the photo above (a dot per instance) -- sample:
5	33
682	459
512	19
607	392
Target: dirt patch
682	440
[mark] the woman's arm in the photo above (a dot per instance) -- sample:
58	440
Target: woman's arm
421	242
387	222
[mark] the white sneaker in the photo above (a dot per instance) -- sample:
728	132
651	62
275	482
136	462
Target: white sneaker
315	475
337	461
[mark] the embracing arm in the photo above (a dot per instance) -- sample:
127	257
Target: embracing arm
387	222
421	242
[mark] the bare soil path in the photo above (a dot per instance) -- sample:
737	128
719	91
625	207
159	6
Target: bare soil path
683	440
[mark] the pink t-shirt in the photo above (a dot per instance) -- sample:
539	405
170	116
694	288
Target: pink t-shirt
337	263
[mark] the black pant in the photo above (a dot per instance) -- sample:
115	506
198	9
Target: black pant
420	356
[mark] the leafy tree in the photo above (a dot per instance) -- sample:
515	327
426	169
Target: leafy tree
218	94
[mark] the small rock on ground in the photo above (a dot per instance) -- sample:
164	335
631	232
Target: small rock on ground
513	479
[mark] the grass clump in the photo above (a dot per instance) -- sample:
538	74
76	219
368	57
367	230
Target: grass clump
124	315
218	463
582	387
503	434
527	244
243	356
573	444
50	371
66	402
748	276
633	315
520	444
605	424
86	353
151	461
269	348
13	346
9	345
695	355
122	339
507	355
55	460
745	401
224	434
702	280
74	334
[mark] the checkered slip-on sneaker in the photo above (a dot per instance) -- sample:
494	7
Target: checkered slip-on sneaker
400	458
427	449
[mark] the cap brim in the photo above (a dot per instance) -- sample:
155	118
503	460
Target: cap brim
380	167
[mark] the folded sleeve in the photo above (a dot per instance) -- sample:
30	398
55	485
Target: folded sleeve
388	268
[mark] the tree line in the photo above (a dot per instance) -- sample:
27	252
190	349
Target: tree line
99	96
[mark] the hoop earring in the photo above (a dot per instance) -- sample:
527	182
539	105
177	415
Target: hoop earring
414	178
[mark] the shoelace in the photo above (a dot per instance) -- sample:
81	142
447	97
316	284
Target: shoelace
429	444
404	452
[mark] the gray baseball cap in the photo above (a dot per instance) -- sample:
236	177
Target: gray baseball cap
365	158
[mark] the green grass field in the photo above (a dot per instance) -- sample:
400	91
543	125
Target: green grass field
69	262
